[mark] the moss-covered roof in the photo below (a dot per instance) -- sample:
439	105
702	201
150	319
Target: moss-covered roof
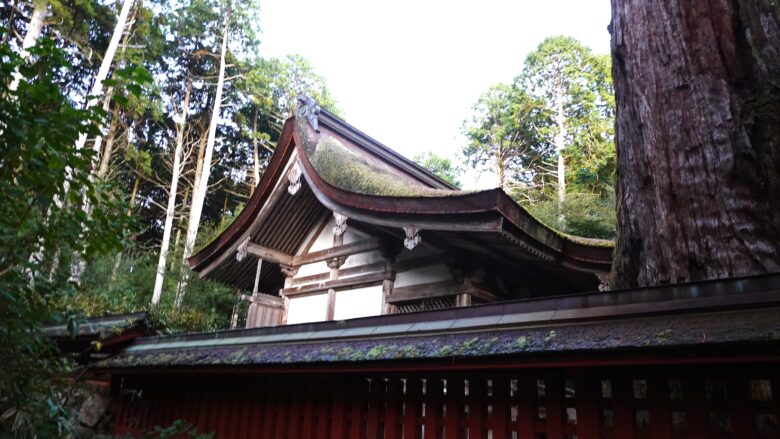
99	327
351	169
736	311
677	331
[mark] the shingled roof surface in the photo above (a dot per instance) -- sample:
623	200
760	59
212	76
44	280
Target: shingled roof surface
735	312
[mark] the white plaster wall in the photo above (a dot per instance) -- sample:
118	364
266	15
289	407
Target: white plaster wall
358	302
307	309
422	275
325	241
364	258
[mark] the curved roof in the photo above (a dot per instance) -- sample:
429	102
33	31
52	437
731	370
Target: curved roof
354	175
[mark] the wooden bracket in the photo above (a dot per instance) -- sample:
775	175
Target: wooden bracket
341	224
242	250
412	237
295	179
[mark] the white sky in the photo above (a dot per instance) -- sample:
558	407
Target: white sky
407	73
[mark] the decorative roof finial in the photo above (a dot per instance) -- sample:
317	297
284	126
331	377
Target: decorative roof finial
308	108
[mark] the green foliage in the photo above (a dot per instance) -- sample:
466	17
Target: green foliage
439	166
562	69
178	429
502	133
111	288
43	182
514	128
585	215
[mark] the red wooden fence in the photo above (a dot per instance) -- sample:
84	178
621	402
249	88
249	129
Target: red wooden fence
582	404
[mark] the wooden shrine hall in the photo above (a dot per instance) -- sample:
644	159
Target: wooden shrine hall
386	304
341	226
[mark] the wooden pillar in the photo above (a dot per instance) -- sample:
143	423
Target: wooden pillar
388	252
289	272
335	263
330	310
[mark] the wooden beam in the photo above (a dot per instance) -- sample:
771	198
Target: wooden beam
264	299
334	252
426	291
268	254
354	281
351	271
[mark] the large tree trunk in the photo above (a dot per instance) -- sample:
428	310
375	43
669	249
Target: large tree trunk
199	191
697	84
171	210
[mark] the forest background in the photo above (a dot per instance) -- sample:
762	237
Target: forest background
133	132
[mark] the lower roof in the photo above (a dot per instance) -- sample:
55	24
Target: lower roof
736	312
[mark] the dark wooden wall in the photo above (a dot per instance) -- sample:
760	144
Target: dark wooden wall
620	403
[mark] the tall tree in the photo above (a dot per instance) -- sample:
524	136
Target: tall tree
199	189
503	133
698	139
172	192
574	86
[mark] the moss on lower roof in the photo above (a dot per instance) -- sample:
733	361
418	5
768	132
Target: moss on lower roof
753	326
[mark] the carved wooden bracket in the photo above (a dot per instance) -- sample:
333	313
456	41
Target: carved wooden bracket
295	179
604	279
308	108
336	262
412	237
242	250
341	224
289	270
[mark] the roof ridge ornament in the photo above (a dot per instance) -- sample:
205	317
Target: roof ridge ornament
243	248
295	179
307	108
412	237
341	224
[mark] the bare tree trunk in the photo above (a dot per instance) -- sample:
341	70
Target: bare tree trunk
257	154
697	85
108	150
105	65
118	259
500	166
34	28
171	210
199	191
78	266
560	139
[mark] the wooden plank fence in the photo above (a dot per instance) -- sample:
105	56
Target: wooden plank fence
588	404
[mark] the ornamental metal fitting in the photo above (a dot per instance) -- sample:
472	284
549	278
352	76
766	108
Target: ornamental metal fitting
295	179
242	250
412	237
341	224
307	108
